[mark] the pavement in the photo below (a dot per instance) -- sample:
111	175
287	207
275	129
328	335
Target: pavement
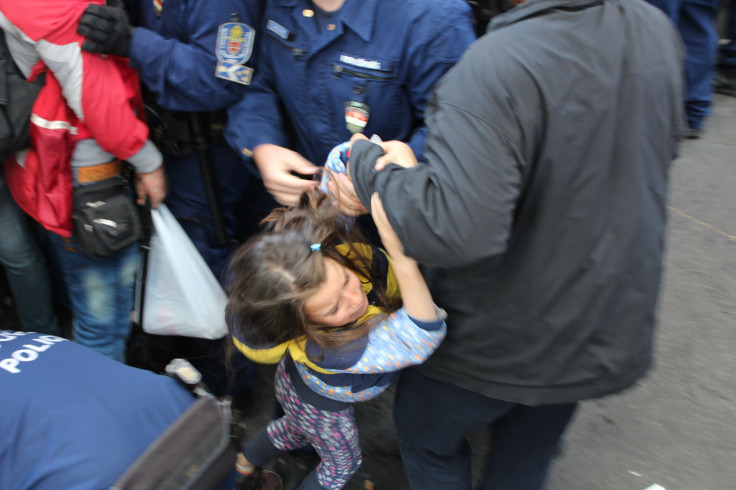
676	429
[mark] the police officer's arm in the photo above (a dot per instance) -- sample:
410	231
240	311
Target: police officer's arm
440	39
181	74
256	130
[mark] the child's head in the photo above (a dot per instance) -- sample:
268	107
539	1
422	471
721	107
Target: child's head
292	281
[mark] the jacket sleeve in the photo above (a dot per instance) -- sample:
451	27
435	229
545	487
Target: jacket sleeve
439	39
458	208
257	117
99	89
182	74
396	343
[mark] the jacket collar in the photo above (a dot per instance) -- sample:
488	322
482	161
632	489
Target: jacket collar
532	8
358	15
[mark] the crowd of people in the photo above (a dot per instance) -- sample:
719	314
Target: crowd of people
498	242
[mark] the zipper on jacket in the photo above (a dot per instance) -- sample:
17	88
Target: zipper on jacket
337	70
295	52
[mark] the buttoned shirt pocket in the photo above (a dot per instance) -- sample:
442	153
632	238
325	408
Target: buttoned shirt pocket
372	86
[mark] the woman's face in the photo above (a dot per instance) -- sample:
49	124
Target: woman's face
340	300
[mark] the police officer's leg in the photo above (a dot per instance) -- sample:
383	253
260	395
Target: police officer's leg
187	200
698	29
523	442
670	7
432	418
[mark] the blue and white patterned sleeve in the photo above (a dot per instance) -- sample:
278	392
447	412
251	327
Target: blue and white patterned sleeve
335	163
398	342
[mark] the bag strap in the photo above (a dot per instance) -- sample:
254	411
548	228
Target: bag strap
7	57
5	63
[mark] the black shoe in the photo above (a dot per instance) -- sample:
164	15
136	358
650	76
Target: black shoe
724	81
260	480
693	133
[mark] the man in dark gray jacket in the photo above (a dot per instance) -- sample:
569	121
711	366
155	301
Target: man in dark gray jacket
540	218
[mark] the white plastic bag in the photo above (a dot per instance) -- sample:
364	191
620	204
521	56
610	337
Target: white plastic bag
182	296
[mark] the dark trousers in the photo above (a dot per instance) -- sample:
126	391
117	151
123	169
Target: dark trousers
433	417
696	22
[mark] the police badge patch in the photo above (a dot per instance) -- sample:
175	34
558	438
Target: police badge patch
356	116
234	48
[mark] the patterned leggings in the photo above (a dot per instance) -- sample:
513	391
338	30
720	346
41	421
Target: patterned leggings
334	435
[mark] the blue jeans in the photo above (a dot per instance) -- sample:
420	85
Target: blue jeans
433	417
101	295
25	266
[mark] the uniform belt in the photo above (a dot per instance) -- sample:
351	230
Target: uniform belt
101	171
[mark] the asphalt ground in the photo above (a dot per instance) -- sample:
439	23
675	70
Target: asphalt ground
677	428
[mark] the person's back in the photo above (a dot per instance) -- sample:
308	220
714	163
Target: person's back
595	97
72	418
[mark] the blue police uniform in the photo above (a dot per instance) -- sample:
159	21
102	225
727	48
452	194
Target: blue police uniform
196	56
73	418
696	22
369	67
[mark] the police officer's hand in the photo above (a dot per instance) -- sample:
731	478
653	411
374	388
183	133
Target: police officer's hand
278	166
106	28
153	185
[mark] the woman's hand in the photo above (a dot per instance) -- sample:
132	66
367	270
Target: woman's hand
396	152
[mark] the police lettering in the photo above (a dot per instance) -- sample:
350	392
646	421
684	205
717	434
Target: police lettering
361	62
6	336
28	353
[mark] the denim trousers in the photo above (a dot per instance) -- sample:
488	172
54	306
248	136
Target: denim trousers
25	266
433	417
101	294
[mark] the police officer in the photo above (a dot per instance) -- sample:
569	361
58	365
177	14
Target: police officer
72	418
195	58
331	68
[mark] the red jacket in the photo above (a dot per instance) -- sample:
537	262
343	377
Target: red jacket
85	96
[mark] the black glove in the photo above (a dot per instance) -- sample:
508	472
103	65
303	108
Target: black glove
106	28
